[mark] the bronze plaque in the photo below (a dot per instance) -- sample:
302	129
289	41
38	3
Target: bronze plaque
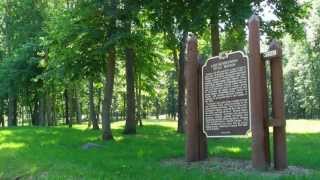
225	94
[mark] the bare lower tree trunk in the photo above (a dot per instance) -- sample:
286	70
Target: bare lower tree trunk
98	112
49	109
215	36
124	106
92	114
34	109
12	111
108	92
2	112
130	127
181	84
66	104
157	108
139	101
42	106
77	106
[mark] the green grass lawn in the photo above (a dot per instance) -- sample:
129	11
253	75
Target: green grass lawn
56	153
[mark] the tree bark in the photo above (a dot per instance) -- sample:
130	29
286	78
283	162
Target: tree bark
67	108
139	101
12	111
1	112
49	109
42	106
181	84
35	112
92	114
130	127
108	92
215	36
77	106
98	111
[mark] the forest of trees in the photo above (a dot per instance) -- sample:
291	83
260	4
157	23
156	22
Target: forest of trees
99	61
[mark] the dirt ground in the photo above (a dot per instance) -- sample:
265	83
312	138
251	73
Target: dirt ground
236	166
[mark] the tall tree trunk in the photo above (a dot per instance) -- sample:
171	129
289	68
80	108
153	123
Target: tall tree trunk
139	101
124	106
42	110
49	109
157	108
92	114
77	106
98	112
73	112
1	112
215	36
12	110
108	92
67	108
181	84
35	112
130	127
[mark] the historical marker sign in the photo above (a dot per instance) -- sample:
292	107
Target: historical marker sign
226	104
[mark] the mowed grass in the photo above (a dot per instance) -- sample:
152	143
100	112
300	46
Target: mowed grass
57	153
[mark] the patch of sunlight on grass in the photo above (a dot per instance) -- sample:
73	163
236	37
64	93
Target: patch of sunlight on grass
303	126
80	126
5	132
229	149
11	145
118	138
118	125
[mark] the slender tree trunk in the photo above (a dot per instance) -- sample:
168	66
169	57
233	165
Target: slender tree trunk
42	114
108	92
215	36
1	112
35	112
181	84
98	112
157	108
67	109
92	117
77	106
72	113
49	109
139	101
130	127
124	106
12	111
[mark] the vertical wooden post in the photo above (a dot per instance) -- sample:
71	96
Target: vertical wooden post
259	141
279	129
195	145
203	145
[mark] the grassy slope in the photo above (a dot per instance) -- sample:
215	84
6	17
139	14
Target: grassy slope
56	153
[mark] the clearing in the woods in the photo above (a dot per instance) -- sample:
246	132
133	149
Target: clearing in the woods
78	153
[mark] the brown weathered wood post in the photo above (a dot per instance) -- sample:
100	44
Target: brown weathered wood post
203	145
278	111
260	151
195	144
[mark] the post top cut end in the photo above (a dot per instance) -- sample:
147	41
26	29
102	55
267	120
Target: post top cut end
192	37
254	18
274	45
